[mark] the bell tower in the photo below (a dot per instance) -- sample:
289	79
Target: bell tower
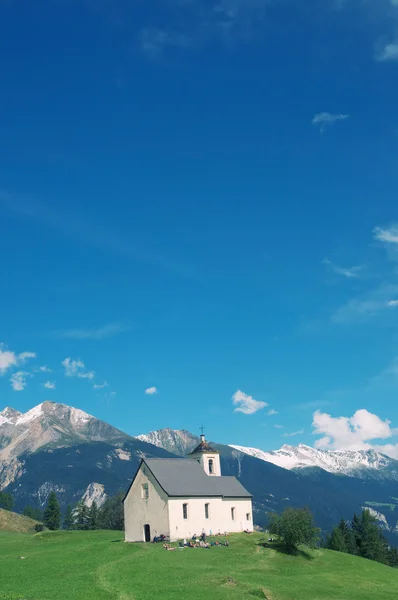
207	457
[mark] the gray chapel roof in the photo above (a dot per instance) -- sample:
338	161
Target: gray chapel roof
186	477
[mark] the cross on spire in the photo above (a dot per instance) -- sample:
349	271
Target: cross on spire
202	429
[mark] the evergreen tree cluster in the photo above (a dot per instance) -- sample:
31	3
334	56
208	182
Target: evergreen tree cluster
362	537
109	516
6	501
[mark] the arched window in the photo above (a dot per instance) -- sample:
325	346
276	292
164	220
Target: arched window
211	466
207	511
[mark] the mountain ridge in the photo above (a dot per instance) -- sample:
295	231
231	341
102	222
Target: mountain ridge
55	447
353	463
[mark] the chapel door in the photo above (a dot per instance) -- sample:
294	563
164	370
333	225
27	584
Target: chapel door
147	533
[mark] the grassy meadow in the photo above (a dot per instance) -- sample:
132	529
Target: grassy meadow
98	565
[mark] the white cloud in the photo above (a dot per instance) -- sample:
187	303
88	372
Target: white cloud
351	433
392	303
18	380
151	390
389	53
348	272
43	369
278	426
9	359
97	333
76	368
246	404
272	411
326	119
100	386
388	235
300	432
50	385
24	356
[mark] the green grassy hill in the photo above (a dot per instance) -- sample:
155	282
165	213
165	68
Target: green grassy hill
98	565
10	521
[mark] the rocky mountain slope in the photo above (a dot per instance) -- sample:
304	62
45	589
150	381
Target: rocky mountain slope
50	423
177	441
363	464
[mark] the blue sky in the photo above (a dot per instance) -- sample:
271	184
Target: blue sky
200	197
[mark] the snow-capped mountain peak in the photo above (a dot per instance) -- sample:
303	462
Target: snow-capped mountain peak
50	423
354	463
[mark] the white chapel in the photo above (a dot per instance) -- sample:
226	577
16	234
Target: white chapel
179	497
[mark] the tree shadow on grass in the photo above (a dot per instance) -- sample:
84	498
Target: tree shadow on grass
288	551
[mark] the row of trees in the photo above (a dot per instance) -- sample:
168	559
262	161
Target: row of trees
109	516
362	537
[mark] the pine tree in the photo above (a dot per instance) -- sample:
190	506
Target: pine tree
111	513
93	516
373	545
336	541
82	517
52	513
69	520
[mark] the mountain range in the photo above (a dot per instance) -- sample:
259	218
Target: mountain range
54	447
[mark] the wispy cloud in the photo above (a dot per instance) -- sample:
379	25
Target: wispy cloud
369	306
150	391
279	426
78	227
325	119
392	303
272	411
43	369
246	404
389	53
294	433
97	333
100	386
387	235
50	385
156	41
348	272
18	380
9	359
76	368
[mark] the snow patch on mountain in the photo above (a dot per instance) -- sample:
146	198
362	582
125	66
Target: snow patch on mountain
9	415
79	418
95	492
31	415
357	463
